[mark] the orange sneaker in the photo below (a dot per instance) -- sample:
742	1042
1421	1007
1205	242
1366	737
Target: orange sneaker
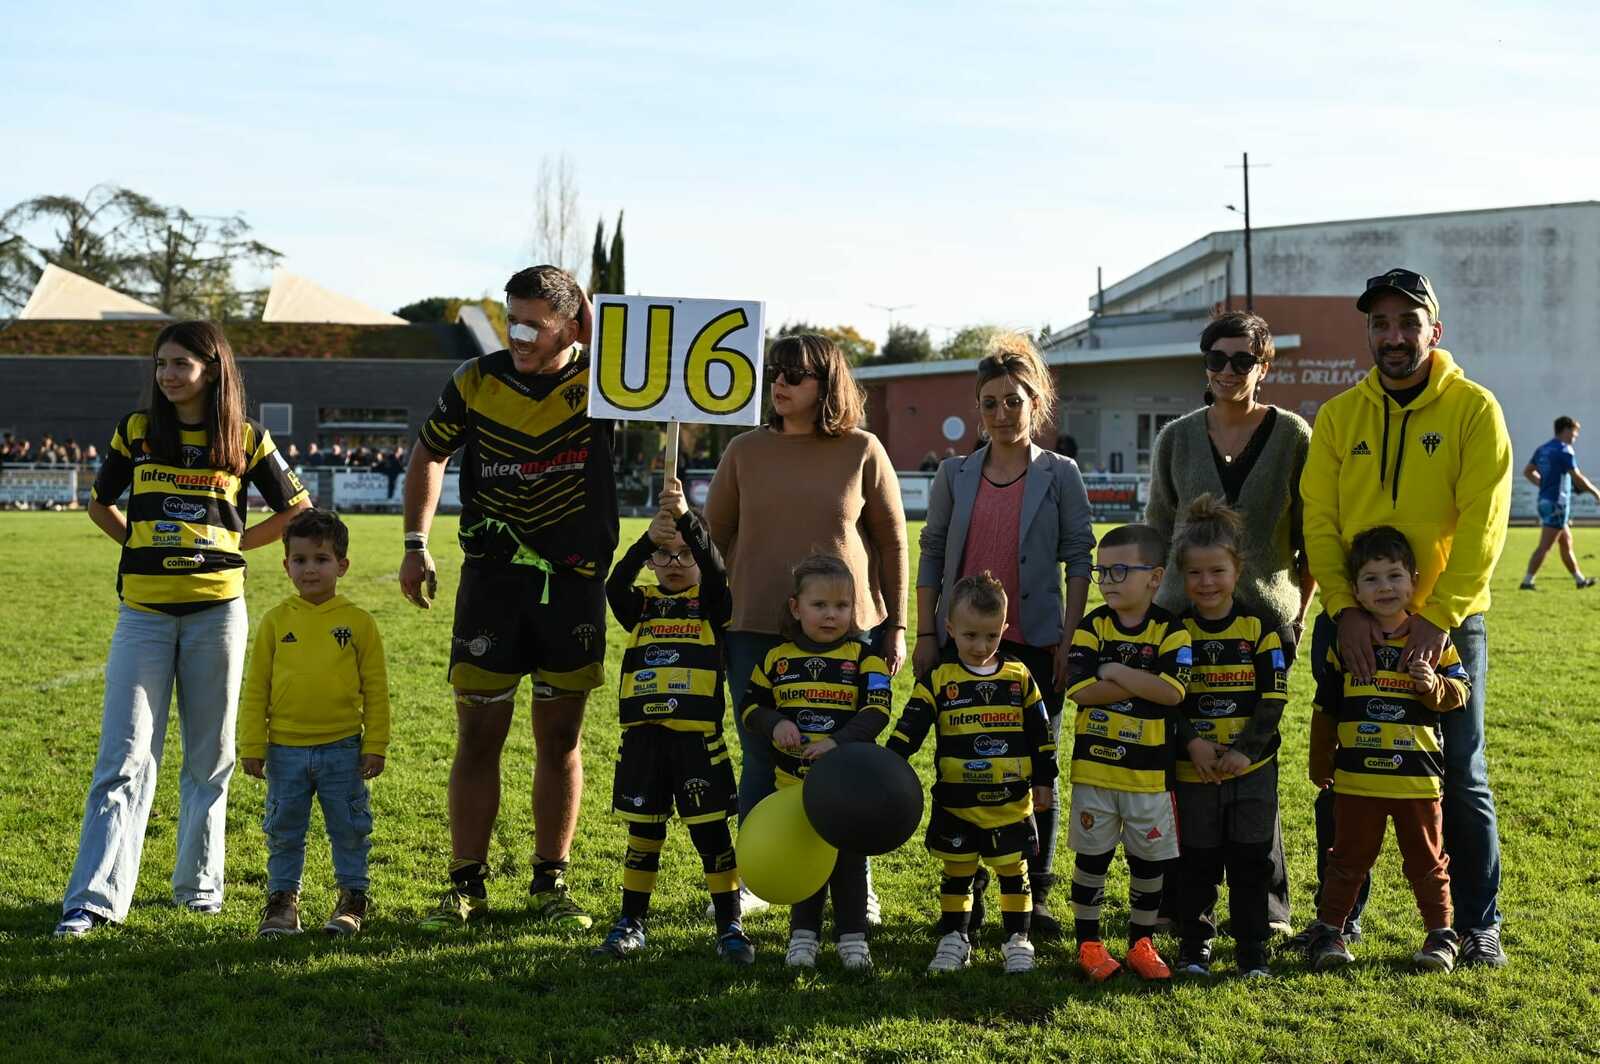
1096	963
1146	962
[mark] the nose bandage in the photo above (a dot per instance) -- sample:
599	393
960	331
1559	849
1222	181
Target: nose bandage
525	333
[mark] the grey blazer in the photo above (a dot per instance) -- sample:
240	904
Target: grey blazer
1056	528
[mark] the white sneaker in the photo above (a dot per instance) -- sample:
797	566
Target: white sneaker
749	904
802	950
874	910
954	953
853	952
1018	953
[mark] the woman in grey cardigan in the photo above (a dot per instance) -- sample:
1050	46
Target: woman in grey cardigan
1019	512
1251	453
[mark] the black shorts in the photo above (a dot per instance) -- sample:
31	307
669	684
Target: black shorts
657	766
954	839
503	632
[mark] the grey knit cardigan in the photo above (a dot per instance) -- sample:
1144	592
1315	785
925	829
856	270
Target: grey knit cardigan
1181	469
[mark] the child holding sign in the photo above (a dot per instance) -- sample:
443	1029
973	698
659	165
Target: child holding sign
819	689
671	707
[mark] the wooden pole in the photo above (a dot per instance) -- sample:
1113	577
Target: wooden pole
672	452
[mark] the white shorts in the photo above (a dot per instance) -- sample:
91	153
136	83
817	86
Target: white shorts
1145	824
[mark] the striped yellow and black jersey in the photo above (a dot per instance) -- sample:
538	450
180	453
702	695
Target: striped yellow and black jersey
182	553
992	740
1237	687
1390	742
535	471
1126	746
821	689
672	670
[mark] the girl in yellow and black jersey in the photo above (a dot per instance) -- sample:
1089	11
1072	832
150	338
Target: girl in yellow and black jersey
821	688
186	462
1227	786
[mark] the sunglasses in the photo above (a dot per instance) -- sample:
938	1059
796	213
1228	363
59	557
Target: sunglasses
1241	361
793	376
682	559
1114	574
1405	280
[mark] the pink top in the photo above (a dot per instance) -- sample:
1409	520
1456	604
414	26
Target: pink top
993	538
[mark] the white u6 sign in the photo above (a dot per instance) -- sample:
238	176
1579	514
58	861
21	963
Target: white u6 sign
696	360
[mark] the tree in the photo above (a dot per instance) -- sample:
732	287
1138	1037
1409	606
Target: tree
906	344
556	224
616	281
970	342
857	348
182	263
599	269
433	308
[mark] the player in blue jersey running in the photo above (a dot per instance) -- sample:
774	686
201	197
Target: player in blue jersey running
1554	470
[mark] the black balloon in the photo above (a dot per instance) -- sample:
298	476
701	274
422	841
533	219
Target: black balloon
862	798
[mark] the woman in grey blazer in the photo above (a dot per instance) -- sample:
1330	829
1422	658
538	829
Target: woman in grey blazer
1250	453
1020	512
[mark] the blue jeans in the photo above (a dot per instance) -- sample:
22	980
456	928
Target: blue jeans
1471	829
746	652
201	655
332	772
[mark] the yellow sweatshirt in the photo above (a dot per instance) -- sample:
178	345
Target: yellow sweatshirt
1438	470
316	676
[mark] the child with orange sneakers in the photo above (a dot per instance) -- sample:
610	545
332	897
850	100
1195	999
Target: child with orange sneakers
1128	671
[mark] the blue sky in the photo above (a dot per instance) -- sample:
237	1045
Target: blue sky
975	160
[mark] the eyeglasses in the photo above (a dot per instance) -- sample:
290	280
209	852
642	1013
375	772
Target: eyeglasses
1114	574
683	558
989	404
1241	361
793	376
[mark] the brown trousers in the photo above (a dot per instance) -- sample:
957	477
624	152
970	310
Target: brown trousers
1358	837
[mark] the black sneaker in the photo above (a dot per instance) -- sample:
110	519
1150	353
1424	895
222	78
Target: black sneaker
1301	942
1438	952
625	939
1194	958
1527	585
1251	960
1480	948
734	946
1587	581
1328	949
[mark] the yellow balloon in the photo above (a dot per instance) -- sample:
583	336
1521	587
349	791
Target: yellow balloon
781	857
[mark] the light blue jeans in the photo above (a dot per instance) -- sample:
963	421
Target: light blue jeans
202	656
332	772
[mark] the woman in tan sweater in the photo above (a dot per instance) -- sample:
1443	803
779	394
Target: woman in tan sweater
810	480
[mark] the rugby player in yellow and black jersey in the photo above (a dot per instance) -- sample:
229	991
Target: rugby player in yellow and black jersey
538	527
671	707
821	689
1128	671
994	764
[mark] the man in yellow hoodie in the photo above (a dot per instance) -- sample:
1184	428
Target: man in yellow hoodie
1416	445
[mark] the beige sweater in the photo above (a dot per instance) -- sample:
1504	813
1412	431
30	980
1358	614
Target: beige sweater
777	498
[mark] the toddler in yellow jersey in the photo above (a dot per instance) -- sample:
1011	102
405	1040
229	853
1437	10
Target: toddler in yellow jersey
1128	670
1378	743
1228	784
994	764
314	721
671	707
822	688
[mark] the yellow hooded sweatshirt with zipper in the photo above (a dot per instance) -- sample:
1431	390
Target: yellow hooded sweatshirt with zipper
1439	470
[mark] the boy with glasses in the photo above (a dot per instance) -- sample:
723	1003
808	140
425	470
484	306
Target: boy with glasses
1128	672
671	707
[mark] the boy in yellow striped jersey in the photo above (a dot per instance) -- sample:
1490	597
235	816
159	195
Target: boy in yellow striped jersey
671	707
1378	744
994	764
314	720
1128	670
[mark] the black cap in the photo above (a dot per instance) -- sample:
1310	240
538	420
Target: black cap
1414	286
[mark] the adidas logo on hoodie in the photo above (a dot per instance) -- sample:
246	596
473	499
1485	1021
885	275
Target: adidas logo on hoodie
289	639
1361	448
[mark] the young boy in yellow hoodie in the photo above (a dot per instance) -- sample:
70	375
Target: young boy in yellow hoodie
314	720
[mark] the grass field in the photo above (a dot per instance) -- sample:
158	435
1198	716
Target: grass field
172	986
